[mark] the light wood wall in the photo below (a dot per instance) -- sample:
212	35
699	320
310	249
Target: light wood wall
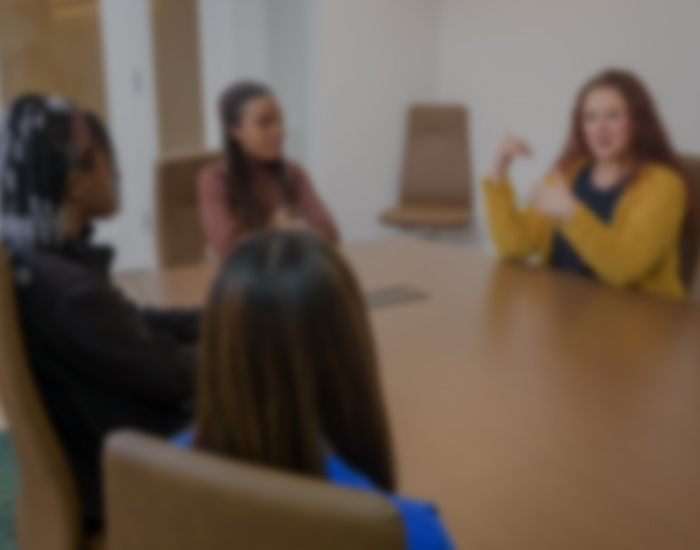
178	75
52	46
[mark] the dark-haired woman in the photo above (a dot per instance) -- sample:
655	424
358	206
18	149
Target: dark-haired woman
616	204
255	188
100	363
288	376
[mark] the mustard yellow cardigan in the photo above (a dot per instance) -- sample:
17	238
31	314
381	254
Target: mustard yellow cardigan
639	249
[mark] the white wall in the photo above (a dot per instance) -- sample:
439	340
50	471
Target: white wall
234	46
288	45
128	52
373	58
517	65
249	32
217	49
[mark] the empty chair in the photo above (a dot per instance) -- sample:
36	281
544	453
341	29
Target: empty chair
436	182
48	512
180	238
160	497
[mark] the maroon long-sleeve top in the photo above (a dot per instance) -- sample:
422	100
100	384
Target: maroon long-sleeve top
224	232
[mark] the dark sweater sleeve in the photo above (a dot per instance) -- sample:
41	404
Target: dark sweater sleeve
181	324
121	349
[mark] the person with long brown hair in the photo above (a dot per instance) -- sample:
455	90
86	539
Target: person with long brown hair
617	201
254	187
288	374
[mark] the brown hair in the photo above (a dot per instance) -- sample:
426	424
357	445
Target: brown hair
650	142
288	362
243	201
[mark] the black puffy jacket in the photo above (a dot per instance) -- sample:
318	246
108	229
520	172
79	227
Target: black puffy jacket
100	362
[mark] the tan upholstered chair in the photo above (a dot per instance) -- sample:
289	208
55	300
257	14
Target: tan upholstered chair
48	512
180	238
163	498
436	181
690	257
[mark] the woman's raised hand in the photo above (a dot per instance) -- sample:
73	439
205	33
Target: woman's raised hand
510	148
555	199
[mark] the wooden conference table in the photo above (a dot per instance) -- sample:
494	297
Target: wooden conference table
538	410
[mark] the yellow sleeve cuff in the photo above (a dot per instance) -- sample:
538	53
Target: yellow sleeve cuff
501	189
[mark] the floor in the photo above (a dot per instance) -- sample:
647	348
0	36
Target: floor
9	482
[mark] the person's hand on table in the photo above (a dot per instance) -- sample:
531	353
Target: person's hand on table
555	199
511	147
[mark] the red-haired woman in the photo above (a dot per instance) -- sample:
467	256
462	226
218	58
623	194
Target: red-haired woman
616	203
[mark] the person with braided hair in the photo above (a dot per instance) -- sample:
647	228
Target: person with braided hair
616	206
100	363
254	187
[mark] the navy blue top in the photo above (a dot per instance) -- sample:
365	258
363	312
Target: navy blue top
601	203
423	528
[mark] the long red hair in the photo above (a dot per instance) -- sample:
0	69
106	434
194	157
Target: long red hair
650	141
